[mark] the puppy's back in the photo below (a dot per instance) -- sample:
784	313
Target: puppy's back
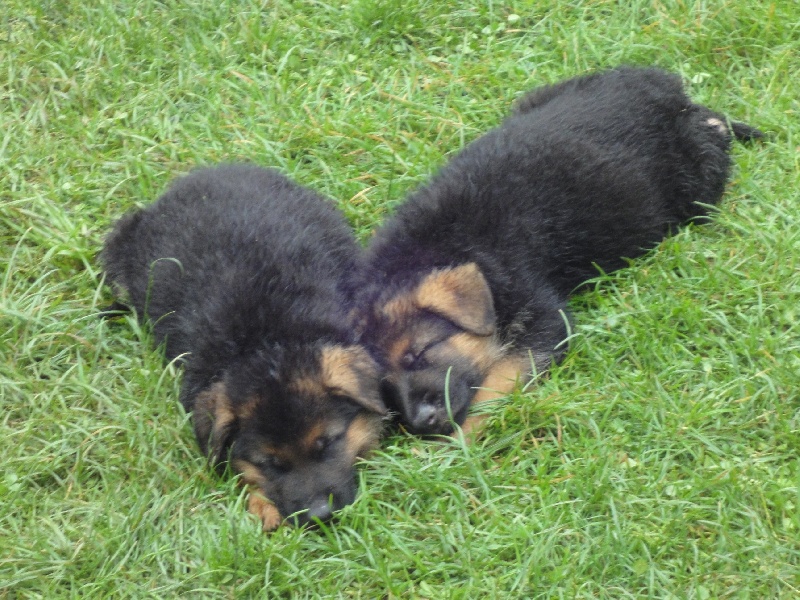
227	250
587	171
644	115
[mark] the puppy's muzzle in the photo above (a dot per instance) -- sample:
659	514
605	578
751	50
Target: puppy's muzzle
423	406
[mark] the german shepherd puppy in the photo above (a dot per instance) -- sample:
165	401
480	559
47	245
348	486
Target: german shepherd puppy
468	282
240	271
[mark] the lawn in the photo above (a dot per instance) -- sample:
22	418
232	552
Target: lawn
659	460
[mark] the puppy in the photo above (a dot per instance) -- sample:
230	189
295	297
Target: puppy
468	282
240	271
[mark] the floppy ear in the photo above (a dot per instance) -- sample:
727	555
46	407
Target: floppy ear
351	371
461	295
214	422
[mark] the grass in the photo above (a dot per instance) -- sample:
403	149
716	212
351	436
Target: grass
659	460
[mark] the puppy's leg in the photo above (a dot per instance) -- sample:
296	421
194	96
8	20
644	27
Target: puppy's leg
257	502
545	323
499	382
258	505
545	94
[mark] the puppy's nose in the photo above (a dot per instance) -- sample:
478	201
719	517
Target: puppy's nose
426	418
320	510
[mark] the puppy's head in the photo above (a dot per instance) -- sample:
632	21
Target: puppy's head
293	423
437	339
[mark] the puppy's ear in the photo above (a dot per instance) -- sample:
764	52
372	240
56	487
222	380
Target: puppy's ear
351	371
460	295
214	422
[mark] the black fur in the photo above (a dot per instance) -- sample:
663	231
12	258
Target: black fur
583	175
240	271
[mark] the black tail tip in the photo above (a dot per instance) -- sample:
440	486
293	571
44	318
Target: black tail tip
745	133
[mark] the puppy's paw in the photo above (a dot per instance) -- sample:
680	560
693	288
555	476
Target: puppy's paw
472	428
499	382
265	510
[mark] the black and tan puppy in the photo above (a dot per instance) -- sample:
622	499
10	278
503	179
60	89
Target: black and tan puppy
468	281
241	273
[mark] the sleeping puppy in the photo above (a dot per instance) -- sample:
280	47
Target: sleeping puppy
467	283
240	272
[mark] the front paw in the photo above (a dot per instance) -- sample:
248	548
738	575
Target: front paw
265	510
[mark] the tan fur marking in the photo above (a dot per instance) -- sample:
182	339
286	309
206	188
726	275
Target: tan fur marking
307	386
265	510
225	415
362	435
312	435
461	295
398	308
398	349
338	371
351	371
248	408
282	454
499	382
257	503
212	414
250	474
215	400
714	122
501	378
482	351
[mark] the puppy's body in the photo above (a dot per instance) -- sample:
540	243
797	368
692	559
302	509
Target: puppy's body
473	272
241	273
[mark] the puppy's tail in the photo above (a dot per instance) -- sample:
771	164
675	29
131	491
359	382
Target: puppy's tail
717	128
744	132
115	309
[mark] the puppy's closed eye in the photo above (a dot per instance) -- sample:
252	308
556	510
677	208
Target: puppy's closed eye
414	361
325	445
272	463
